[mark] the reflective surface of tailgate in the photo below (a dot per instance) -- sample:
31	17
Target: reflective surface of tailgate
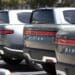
40	38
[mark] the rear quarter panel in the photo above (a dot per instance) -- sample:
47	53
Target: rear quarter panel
14	40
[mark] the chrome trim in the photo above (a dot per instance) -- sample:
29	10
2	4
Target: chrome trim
1	52
49	58
59	72
14	50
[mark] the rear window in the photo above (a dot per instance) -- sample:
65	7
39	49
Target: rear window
4	18
69	16
24	17
43	17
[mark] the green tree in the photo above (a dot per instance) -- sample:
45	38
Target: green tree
14	3
0	4
41	3
67	3
10	3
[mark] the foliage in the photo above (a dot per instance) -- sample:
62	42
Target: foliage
67	3
41	3
15	4
0	4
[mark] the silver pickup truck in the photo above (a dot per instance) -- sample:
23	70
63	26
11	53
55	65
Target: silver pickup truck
65	50
35	41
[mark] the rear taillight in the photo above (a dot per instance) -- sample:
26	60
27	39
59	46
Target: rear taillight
6	31
65	41
39	32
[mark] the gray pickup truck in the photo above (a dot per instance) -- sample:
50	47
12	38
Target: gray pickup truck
34	41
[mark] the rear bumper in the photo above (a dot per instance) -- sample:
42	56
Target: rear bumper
12	52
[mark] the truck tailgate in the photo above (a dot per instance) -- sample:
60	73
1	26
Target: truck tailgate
40	36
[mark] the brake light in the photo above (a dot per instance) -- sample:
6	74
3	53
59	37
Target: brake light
6	31
39	32
65	41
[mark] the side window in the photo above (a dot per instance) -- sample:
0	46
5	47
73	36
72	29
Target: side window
4	18
43	17
24	17
69	16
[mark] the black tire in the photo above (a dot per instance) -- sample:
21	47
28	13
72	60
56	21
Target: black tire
49	68
12	61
